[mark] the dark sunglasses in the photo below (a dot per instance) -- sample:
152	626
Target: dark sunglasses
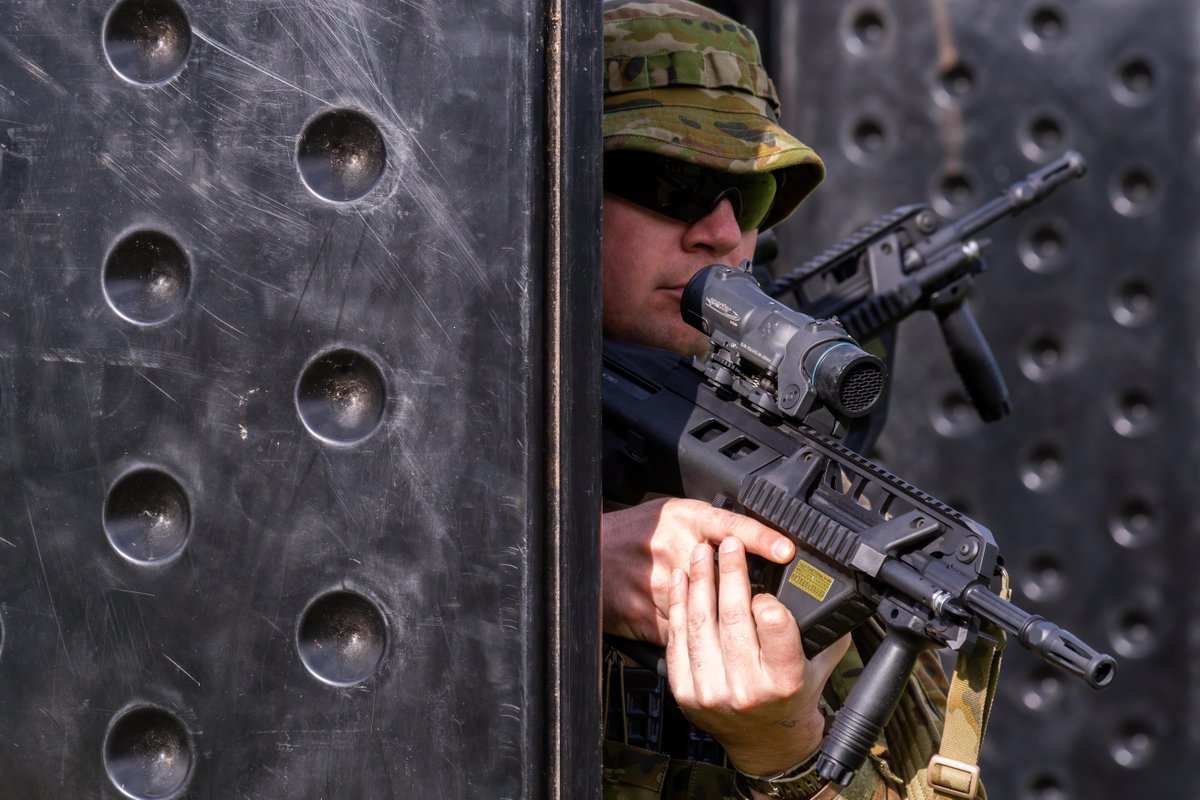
687	192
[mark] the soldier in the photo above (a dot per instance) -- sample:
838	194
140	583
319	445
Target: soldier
695	165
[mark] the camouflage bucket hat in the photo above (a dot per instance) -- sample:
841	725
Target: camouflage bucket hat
683	81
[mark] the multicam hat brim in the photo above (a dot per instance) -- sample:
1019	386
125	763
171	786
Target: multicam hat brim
729	131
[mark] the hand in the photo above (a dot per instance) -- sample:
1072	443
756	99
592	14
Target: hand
641	545
737	667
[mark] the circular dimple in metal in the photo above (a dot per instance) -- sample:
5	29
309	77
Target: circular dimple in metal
1134	634
957	81
341	155
1043	579
1043	690
1041	468
954	191
1135	743
1046	23
147	517
1132	302
342	638
868	138
868	30
1133	192
1043	785
146	277
148	753
340	396
954	416
1041	357
1132	414
1042	136
1042	247
1134	523
1134	83
147	41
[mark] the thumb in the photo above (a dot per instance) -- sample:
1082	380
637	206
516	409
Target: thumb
825	662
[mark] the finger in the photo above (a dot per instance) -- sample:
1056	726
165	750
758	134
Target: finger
825	662
758	538
782	652
737	628
704	643
679	668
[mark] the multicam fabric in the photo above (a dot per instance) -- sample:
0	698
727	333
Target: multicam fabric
631	773
684	81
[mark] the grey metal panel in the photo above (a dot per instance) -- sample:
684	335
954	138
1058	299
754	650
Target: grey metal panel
272	347
1089	307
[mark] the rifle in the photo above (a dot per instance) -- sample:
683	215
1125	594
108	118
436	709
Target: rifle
911	259
735	428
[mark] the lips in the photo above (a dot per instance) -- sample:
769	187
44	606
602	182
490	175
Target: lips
676	293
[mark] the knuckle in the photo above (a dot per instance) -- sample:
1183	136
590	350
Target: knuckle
683	696
772	614
678	508
719	522
734	615
706	698
747	529
740	700
696	620
730	562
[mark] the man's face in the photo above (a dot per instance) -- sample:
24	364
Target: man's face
648	260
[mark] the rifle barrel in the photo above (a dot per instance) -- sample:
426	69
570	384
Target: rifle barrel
1054	644
1020	195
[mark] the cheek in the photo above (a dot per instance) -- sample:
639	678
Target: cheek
745	250
627	252
618	279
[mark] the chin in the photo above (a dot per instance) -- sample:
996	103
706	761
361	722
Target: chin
676	336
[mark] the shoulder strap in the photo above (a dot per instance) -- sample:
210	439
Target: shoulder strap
953	771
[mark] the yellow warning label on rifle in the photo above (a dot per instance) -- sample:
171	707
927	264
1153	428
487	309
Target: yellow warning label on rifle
810	580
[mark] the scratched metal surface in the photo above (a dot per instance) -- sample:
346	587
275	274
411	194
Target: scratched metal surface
271	392
1088	306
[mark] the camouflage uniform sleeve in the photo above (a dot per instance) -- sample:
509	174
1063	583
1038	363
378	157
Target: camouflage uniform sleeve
632	773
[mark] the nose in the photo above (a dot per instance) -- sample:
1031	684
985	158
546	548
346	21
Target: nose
717	232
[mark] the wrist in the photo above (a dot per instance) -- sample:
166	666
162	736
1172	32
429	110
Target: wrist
783	753
800	782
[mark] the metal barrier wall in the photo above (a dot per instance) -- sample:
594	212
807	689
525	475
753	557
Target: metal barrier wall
1088	307
297	335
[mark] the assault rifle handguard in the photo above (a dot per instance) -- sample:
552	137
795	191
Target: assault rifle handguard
911	259
868	543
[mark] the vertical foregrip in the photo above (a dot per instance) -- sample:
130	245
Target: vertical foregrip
974	362
869	706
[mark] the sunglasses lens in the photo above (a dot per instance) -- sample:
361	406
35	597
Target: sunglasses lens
687	192
756	195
